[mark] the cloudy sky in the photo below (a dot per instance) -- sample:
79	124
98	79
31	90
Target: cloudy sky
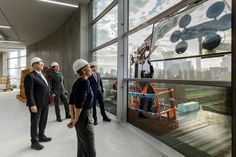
141	11
106	28
99	6
198	14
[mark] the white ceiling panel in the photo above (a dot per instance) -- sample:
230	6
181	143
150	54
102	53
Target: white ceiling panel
32	20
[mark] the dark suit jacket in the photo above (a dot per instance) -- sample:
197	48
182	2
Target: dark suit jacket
97	86
36	90
56	84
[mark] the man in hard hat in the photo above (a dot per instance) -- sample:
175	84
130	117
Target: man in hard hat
97	87
37	94
58	91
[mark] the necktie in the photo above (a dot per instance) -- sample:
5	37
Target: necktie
41	75
95	76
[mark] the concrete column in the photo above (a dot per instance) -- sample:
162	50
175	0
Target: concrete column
83	31
122	60
1	63
4	64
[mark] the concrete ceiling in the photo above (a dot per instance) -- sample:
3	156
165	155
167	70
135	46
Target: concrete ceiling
31	20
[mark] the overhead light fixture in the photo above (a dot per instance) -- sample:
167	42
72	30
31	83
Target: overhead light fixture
60	3
10	41
3	26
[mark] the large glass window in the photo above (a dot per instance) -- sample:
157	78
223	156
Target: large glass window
23	53
143	10
192	45
194	120
16	62
137	47
110	95
186	49
23	61
13	63
202	30
99	6
106	59
211	69
13	54
106	28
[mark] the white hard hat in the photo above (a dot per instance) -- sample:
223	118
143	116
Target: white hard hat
79	64
53	64
93	64
35	60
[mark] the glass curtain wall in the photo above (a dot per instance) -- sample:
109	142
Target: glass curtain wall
169	96
106	28
142	10
104	48
16	61
179	69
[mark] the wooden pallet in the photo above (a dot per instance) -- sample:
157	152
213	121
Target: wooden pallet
22	96
5	83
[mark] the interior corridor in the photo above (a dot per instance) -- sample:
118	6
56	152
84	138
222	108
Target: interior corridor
112	139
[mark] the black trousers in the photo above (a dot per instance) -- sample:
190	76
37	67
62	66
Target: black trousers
85	135
64	99
98	96
38	122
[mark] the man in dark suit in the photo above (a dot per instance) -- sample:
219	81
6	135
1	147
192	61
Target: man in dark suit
97	87
58	91
37	94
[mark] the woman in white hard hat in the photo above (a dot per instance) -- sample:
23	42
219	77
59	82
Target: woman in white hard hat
80	103
58	91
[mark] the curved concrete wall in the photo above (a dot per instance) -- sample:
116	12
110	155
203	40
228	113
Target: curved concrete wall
65	45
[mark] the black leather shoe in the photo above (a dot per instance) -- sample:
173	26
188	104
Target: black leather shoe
44	139
59	120
36	146
95	123
68	116
106	119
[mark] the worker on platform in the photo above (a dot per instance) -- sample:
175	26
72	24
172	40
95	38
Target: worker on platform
146	88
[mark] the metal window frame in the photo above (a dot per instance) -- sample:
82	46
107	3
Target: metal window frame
226	84
167	13
113	41
92	22
16	57
122	41
103	13
109	78
233	42
220	54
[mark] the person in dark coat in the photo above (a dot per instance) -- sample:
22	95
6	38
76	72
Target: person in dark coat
37	94
97	87
58	91
80	107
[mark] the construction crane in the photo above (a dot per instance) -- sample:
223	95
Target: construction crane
141	55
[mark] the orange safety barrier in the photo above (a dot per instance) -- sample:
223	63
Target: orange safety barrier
166	113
